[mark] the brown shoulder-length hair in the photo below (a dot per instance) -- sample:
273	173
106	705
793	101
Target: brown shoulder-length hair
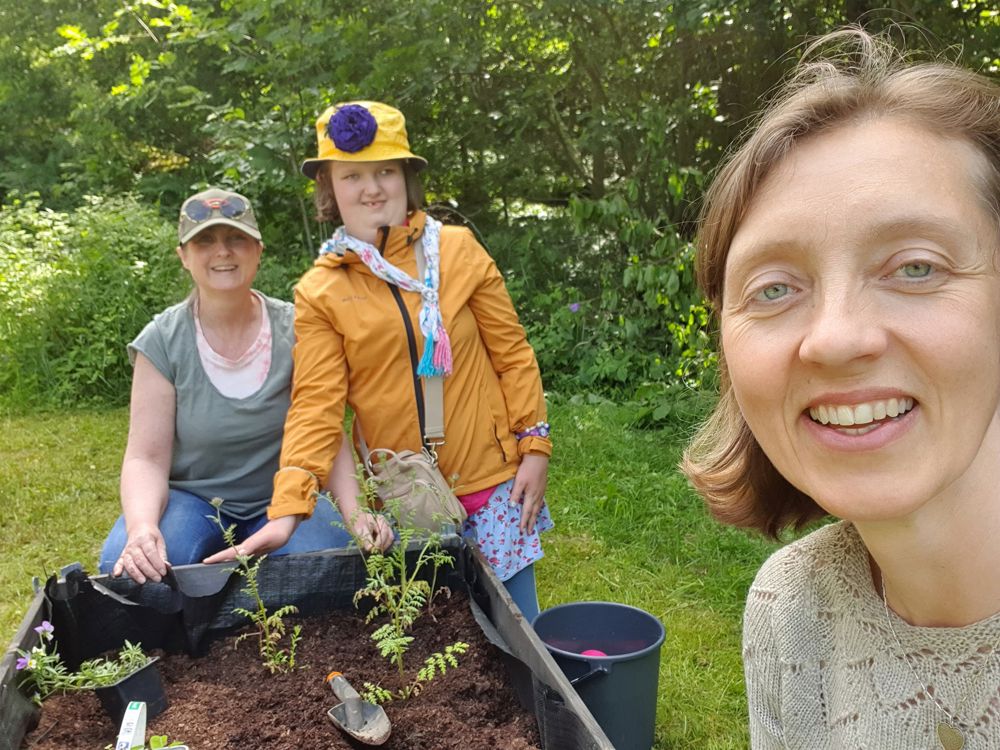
326	204
847	76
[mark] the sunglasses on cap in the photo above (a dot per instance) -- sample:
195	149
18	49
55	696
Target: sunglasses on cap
199	209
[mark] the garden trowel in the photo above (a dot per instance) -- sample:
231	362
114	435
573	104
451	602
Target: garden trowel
362	720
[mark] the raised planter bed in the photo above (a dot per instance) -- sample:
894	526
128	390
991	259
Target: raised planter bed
95	615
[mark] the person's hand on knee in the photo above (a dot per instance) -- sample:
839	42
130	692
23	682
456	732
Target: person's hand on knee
144	555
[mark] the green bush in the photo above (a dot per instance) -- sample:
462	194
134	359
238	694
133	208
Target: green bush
607	297
75	288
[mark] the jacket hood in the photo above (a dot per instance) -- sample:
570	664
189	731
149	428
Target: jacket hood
395	243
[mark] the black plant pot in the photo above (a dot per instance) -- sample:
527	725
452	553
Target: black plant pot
142	685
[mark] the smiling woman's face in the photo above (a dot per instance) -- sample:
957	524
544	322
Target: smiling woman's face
221	258
861	320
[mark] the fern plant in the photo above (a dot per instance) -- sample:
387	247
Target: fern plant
435	664
270	626
397	590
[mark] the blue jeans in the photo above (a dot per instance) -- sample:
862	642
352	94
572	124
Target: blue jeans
521	587
191	534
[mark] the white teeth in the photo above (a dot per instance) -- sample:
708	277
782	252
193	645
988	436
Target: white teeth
863	414
860	414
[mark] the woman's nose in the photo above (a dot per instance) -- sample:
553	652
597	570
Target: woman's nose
843	329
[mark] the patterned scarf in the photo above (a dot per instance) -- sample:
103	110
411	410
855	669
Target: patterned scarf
436	359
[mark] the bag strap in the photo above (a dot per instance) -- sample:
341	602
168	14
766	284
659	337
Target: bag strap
428	391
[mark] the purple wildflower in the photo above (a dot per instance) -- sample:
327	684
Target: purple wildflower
45	629
22	663
574	307
352	128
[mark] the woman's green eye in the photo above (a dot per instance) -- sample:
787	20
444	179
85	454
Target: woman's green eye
773	292
916	270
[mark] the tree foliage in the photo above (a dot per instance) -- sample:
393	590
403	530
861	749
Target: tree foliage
575	136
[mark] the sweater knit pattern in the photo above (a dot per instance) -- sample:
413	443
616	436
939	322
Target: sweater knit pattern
823	669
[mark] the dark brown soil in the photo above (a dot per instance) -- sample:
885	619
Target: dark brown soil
228	700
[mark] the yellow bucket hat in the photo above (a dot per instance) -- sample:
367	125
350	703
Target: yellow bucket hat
361	131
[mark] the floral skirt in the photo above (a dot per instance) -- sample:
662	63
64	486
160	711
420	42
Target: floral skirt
494	528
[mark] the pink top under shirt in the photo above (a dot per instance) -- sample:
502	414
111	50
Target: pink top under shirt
244	376
476	500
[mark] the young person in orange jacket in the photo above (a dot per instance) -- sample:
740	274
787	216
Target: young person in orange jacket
363	319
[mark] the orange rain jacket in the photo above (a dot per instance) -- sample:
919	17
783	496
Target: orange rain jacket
351	348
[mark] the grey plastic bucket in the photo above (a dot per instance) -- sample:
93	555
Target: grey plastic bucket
619	688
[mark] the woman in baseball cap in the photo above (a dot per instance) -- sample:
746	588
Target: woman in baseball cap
395	305
210	392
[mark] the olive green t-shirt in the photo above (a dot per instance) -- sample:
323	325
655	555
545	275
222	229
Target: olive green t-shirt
223	447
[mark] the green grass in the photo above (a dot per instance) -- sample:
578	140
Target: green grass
59	494
628	529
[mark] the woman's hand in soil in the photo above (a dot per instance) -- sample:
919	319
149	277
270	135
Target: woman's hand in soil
271	536
529	489
371	531
144	556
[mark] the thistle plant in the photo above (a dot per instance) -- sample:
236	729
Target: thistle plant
270	626
45	671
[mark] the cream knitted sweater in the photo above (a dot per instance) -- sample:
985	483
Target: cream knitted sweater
823	670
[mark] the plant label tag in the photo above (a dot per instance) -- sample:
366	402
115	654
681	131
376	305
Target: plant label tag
133	729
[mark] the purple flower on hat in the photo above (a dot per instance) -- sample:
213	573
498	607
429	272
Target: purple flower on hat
352	128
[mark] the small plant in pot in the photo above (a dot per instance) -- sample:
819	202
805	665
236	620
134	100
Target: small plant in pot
130	676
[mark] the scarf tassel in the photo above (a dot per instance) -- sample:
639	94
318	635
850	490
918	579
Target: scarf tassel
436	359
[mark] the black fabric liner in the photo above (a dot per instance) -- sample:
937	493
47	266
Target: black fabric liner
193	607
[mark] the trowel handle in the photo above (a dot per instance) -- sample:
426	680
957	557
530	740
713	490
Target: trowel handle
350	698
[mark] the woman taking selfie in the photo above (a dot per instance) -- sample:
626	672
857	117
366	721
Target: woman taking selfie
850	250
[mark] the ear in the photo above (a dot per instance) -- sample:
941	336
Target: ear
181	254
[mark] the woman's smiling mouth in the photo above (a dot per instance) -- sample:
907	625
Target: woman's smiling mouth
866	416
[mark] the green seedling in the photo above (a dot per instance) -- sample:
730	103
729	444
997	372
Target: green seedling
399	590
270	626
435	664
